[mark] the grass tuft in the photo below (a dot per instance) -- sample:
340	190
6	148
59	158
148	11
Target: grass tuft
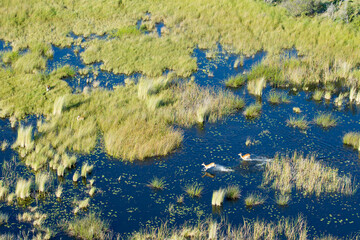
194	190
157	183
23	188
352	139
275	97
86	169
218	197
235	81
4	190
76	176
282	200
252	111
254	199
325	120
41	181
318	95
233	192
87	227
25	138
299	122
59	191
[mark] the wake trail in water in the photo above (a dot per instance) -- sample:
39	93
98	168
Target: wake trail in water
259	160
220	168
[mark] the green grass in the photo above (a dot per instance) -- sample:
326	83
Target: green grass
194	190
252	111
42	180
256	86
306	175
90	226
157	183
352	139
275	97
233	192
325	120
236	81
254	199
298	122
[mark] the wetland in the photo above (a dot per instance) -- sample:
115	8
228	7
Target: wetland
108	112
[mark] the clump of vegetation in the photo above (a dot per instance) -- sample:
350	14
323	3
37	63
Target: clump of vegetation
352	139
25	138
253	111
296	110
254	199
23	188
286	228
41	181
86	169
236	81
282	199
59	191
325	120
277	97
218	197
233	192
4	145
4	190
306	175
157	183
83	203
194	190
3	218
318	95
92	191
255	87
301	7
90	226
180	199
299	122
76	176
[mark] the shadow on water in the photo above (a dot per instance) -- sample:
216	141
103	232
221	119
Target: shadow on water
128	203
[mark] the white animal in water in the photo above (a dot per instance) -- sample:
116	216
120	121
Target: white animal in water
245	157
210	165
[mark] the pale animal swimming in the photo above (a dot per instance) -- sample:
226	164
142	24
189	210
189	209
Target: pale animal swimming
210	165
245	157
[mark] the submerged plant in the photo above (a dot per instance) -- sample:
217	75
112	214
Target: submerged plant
157	183
218	197
325	120
194	190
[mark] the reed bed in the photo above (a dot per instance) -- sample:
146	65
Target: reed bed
218	197
325	120
306	175
285	228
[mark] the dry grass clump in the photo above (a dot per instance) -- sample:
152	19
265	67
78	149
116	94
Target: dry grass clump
59	191
299	122
25	138
86	169
325	120
42	179
23	188
256	86
285	228
90	226
282	199
4	190
352	139
318	95
252	111
218	197
306	175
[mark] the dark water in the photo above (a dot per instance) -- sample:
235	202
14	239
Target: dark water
127	202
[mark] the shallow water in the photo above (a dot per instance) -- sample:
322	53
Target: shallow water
128	203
